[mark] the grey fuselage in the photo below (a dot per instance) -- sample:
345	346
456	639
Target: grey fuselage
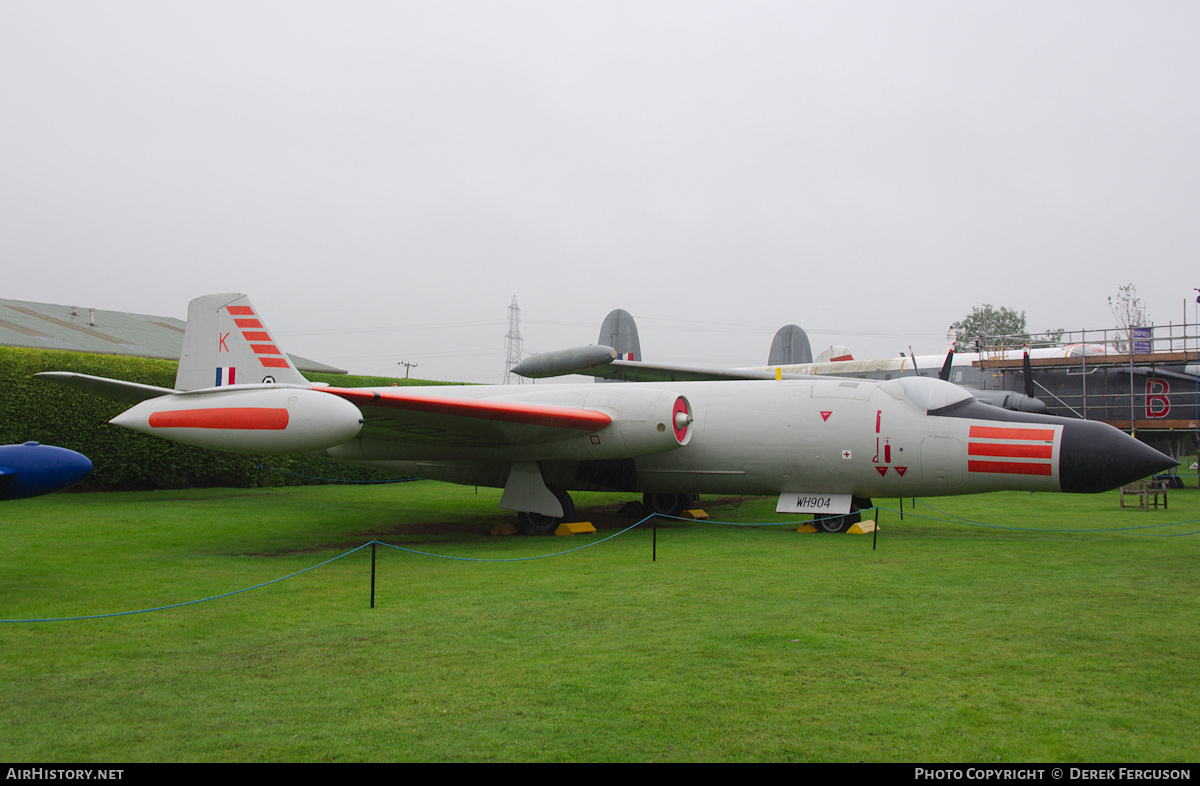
861	437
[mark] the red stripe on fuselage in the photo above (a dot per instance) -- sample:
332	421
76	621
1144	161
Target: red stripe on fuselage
240	311
274	362
246	418
251	335
1010	450
248	323
1008	468
1006	432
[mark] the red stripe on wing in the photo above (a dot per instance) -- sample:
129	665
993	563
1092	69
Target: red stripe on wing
506	411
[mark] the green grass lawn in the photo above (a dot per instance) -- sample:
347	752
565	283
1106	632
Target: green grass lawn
1060	634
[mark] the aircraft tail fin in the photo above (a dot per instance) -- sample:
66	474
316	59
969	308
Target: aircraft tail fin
835	354
619	331
790	347
226	343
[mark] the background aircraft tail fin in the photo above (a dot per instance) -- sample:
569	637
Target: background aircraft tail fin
835	354
790	347
226	343
619	331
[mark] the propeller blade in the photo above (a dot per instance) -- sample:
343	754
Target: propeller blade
1027	372
944	374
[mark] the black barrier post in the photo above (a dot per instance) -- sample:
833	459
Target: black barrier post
372	574
654	541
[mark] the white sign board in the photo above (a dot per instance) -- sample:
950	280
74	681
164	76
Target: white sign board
804	502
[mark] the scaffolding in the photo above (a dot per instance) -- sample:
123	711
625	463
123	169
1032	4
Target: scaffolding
1144	382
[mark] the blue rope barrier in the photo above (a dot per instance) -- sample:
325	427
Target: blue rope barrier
950	518
193	602
322	564
519	559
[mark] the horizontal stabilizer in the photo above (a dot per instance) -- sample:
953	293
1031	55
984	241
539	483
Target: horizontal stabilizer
116	389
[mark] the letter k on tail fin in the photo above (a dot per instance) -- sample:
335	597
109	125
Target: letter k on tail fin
226	343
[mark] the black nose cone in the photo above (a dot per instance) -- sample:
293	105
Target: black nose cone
1097	457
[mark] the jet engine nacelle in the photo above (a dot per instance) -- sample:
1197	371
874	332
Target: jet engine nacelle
652	421
645	420
248	419
560	362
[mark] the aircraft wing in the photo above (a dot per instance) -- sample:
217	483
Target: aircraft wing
119	390
1157	371
430	418
637	371
602	361
284	418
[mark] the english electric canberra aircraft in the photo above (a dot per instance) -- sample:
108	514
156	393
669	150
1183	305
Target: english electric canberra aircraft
824	445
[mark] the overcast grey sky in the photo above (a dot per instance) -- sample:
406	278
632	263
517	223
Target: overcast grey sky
383	177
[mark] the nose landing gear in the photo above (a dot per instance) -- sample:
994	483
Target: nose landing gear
843	522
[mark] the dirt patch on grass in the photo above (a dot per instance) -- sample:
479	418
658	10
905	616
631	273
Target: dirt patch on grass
605	518
608	517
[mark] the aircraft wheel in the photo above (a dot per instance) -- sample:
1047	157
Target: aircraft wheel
540	524
833	523
665	504
845	522
537	524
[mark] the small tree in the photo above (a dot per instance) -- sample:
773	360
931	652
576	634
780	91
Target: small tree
1047	338
993	327
1130	312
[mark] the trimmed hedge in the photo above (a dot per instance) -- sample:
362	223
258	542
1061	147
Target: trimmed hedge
33	409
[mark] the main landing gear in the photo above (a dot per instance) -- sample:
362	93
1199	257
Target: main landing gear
667	504
843	522
541	524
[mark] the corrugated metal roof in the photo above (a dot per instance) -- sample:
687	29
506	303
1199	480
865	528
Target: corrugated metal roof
50	326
